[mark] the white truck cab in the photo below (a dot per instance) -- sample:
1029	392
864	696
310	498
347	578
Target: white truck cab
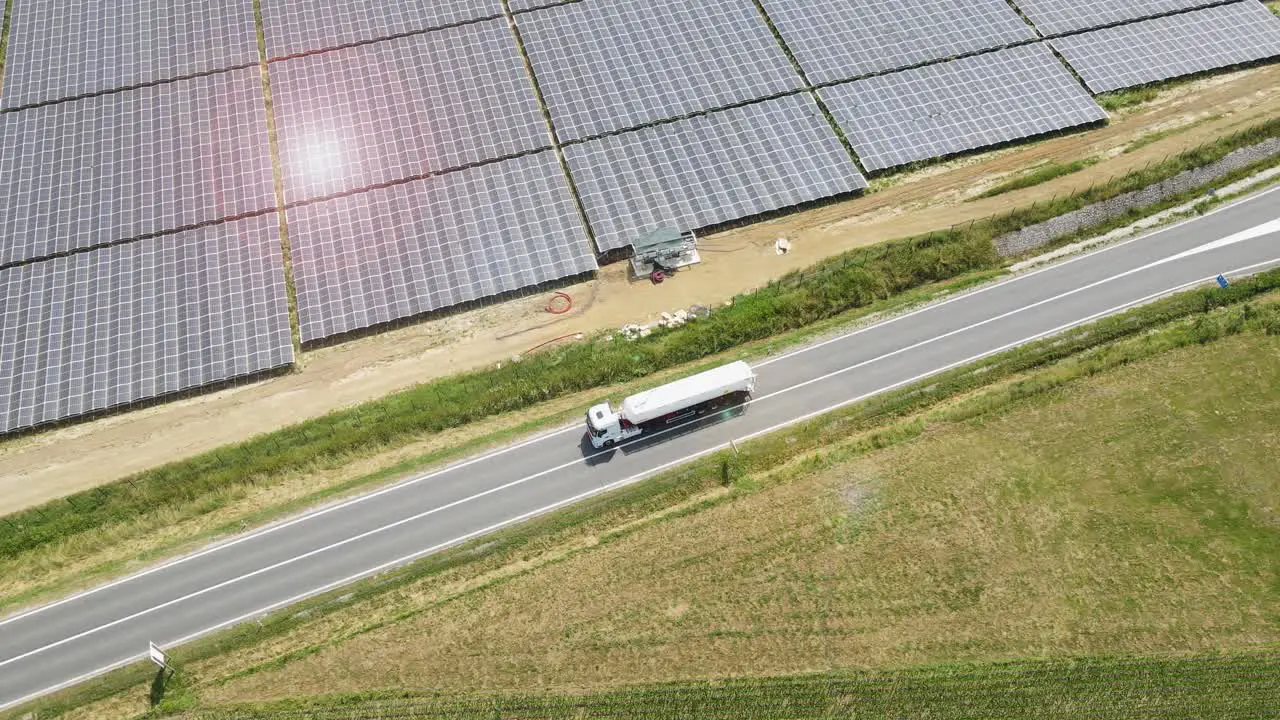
607	426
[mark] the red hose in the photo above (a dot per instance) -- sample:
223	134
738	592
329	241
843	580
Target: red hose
557	339
568	304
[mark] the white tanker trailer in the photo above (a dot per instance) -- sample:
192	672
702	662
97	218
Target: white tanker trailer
670	404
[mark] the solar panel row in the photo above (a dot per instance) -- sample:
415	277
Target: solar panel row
402	108
960	105
112	167
606	66
67	48
1055	17
293	27
1168	47
390	253
844	39
709	169
99	329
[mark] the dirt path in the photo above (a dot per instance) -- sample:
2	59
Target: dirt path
55	463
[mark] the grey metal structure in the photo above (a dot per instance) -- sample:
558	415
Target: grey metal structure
293	27
390	253
606	66
68	48
1168	47
99	329
844	39
960	105
403	108
113	167
1055	17
709	169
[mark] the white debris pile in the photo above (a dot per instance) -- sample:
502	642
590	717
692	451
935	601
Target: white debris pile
673	319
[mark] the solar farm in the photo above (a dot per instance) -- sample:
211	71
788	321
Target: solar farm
168	189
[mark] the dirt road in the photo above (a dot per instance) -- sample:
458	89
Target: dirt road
51	464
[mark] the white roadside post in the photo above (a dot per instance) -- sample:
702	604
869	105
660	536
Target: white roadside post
158	657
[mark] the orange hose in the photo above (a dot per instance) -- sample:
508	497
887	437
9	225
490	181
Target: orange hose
568	304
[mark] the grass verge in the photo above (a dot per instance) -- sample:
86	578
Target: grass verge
857	279
1155	137
1198	317
1039	176
1218	686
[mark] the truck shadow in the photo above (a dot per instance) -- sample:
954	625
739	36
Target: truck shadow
595	457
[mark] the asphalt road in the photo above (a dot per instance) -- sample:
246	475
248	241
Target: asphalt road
89	633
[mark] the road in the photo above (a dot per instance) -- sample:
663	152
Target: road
89	633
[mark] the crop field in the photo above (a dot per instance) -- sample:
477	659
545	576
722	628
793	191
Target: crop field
1130	513
1231	686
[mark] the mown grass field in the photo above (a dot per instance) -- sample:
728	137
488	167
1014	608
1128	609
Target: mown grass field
1211	686
1073	512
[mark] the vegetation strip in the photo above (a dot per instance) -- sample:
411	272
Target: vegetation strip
1235	685
1198	316
1039	176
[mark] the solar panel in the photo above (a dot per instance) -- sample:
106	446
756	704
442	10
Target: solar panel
67	48
293	27
960	105
606	66
709	169
1169	47
1055	17
368	258
107	327
402	108
522	5
843	39
118	166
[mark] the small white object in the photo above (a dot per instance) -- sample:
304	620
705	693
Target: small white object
782	246
158	657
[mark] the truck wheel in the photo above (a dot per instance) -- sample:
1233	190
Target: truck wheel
608	444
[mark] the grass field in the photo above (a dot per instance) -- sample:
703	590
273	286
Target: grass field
1134	512
1212	686
1038	176
259	659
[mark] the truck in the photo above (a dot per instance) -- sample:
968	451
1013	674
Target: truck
672	404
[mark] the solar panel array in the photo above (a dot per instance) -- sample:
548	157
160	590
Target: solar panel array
293	27
1055	17
709	169
113	167
60	49
605	66
844	39
1169	47
95	330
960	105
394	252
398	109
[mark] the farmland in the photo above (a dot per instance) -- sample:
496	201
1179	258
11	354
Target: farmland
1121	503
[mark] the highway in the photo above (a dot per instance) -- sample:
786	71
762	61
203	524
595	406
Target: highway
87	634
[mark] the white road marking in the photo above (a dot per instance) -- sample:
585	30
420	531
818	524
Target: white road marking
614	485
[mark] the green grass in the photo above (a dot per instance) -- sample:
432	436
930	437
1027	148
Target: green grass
1202	686
1203	316
853	280
1040	175
4	37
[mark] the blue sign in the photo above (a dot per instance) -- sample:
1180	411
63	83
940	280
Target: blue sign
1222	281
